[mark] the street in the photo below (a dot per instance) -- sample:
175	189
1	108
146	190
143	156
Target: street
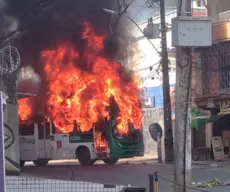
132	173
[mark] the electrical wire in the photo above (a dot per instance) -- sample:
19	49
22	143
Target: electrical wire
138	11
146	68
42	6
125	15
205	4
192	188
179	7
143	33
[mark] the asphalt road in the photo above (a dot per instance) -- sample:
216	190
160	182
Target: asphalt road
135	174
132	173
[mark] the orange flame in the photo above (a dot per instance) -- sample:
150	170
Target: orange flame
100	141
80	85
24	109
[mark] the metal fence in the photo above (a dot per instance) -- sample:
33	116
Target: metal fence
26	184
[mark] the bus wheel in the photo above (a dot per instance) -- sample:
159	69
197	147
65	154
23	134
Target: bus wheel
84	158
22	163
40	162
111	161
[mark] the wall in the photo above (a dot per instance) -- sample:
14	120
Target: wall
197	85
199	10
153	115
11	125
157	93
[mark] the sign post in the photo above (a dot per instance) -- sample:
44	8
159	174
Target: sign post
3	98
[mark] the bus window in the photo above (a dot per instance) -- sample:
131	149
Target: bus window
47	130
77	127
53	129
40	131
26	129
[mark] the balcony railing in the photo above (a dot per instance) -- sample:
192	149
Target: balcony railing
223	17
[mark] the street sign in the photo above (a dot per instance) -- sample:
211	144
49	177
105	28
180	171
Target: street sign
3	98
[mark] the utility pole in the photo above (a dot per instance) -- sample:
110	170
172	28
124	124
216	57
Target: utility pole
182	147
168	134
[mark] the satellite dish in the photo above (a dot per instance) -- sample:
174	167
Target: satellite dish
154	129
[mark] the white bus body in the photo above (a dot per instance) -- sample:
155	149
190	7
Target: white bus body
40	144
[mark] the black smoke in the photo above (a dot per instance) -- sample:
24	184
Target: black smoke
33	26
44	24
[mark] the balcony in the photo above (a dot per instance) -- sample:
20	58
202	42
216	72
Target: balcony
223	17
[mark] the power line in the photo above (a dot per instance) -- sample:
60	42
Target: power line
138	11
205	4
41	7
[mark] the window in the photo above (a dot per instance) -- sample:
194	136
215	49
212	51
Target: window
47	130
199	3
26	129
53	128
224	70
41	133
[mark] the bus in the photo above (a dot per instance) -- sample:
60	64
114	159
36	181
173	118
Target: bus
41	143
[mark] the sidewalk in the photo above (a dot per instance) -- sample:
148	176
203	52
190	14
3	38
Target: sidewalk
201	172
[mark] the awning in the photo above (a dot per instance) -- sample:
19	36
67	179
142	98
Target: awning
25	95
224	113
214	118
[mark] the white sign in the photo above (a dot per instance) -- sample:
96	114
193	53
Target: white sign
210	104
148	102
3	98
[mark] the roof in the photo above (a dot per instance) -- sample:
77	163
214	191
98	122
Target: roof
25	95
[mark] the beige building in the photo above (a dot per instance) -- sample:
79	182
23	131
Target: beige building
212	73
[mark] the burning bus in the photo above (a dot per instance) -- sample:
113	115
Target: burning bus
41	142
90	110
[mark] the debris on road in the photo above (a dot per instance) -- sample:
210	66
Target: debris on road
211	183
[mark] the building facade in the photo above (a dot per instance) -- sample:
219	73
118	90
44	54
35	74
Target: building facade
212	73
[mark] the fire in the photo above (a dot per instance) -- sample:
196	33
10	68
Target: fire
81	83
24	109
100	141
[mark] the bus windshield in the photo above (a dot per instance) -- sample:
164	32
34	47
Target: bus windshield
134	134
